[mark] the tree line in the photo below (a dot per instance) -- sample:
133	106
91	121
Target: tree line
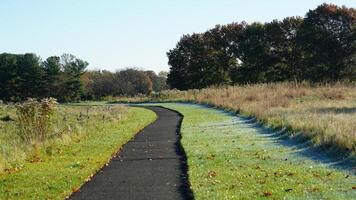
321	47
66	79
127	82
26	75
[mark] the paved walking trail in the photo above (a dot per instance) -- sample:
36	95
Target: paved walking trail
150	166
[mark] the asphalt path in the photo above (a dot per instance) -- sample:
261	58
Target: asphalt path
150	166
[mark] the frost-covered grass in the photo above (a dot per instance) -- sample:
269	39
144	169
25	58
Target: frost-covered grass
229	158
326	113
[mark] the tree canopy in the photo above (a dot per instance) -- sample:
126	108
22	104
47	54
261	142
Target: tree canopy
321	47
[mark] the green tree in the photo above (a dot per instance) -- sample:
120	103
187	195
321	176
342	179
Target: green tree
31	73
53	71
200	60
253	55
73	69
9	77
184	62
282	55
328	40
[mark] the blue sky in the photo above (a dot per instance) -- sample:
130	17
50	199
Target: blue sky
115	34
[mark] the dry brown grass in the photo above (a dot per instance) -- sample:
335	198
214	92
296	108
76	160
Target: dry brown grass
326	113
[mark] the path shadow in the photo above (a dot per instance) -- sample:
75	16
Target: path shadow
303	146
184	188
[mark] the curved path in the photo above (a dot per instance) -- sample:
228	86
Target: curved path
150	166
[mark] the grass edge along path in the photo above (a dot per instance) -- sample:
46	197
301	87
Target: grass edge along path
322	113
231	158
58	176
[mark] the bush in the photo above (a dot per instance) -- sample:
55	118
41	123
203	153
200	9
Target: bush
34	119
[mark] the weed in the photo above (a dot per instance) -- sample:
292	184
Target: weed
34	119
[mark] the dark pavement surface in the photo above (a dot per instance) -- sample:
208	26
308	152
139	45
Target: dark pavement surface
150	166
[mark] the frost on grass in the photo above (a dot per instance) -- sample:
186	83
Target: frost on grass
231	156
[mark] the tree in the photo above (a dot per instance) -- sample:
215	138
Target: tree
162	81
9	77
132	82
158	81
25	75
182	60
319	47
73	69
253	55
282	54
328	40
52	79
31	76
201	60
102	83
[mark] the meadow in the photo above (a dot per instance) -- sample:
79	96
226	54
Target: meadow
232	157
83	138
228	156
325	113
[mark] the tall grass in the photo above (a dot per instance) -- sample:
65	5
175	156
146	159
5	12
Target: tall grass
42	126
324	113
35	119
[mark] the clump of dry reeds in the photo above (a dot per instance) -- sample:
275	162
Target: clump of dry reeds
34	119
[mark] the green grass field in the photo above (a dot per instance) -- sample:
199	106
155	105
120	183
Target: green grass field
227	157
231	159
62	165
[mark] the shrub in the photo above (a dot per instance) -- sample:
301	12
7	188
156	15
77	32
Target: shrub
34	119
